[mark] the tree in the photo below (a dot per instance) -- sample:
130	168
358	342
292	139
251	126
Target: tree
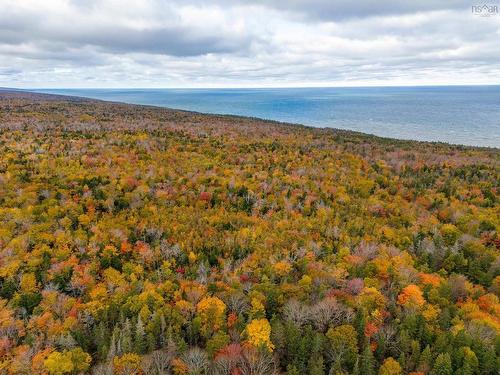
390	367
360	325
343	344
127	364
367	362
126	341
211	311
442	365
58	363
316	365
80	359
258	334
411	296
140	341
75	360
218	341
470	363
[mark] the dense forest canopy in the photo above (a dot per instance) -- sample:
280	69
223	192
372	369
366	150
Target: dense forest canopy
140	240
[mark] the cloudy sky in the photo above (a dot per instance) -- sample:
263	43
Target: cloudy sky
195	43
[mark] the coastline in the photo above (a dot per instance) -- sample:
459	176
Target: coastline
390	140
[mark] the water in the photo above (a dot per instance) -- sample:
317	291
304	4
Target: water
467	115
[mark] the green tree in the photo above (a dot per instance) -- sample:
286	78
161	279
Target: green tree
292	370
442	366
217	342
425	360
343	344
140	339
316	365
367	362
126	342
470	363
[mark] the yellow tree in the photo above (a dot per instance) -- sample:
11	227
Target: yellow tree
211	311
259	334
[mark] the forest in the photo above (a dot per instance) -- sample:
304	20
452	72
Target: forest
143	240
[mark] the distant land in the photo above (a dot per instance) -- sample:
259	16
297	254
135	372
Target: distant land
466	115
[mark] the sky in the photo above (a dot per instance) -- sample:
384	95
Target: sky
238	43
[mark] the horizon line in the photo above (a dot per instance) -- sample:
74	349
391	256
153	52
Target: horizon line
247	87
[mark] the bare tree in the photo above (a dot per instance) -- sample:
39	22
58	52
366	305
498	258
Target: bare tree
236	302
157	363
196	360
103	369
329	312
256	362
227	360
295	312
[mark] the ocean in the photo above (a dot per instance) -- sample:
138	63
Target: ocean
468	115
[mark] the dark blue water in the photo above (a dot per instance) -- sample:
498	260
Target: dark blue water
455	114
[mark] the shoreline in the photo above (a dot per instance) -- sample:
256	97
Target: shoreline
4	90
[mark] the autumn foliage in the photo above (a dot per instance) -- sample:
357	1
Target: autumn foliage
140	240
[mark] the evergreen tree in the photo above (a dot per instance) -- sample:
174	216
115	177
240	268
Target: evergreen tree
126	338
367	362
469	361
359	324
292	370
355	370
487	360
414	356
402	360
442	366
101	339
151	342
316	365
381	349
154	327
425	360
114	345
140	342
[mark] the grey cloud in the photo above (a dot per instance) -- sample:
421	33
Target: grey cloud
343	9
338	10
175	40
223	42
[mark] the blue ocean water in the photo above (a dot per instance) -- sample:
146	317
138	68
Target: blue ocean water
467	115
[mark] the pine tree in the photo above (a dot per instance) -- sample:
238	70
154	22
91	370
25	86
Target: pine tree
380	350
414	356
154	327
151	342
425	360
126	338
470	362
113	345
402	360
101	339
359	324
355	370
367	366
292	370
316	365
140	342
487	360
442	366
